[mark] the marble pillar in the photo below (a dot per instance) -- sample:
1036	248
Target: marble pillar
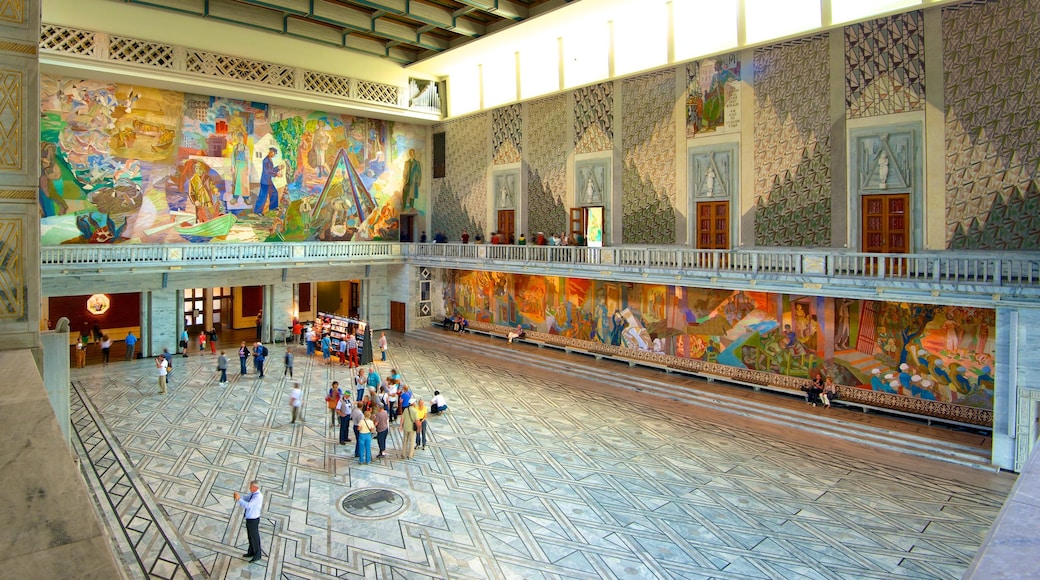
164	315
20	292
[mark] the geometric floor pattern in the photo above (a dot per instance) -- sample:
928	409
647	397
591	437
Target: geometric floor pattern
524	477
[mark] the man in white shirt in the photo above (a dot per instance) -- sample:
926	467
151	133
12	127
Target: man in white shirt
252	504
295	401
162	364
438	403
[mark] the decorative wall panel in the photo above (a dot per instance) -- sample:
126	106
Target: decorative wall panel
11	130
921	358
133	163
12	269
547	165
507	134
884	66
460	200
594	118
648	173
792	144
713	95
992	114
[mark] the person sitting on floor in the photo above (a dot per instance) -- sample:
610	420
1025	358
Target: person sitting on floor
438	404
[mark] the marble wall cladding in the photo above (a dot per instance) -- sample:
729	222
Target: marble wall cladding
166	313
547	165
460	200
594	118
792	144
992	114
884	66
648	172
282	306
506	134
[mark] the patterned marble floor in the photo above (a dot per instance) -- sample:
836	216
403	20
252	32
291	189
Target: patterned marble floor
524	477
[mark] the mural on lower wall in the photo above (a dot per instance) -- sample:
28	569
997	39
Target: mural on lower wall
126	163
933	353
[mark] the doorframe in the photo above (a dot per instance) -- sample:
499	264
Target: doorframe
702	150
861	132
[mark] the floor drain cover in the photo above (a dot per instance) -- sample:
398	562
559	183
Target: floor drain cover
373	503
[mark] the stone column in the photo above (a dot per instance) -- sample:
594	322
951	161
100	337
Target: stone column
20	291
164	317
282	307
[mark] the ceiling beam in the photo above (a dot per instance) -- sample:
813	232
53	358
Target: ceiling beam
500	8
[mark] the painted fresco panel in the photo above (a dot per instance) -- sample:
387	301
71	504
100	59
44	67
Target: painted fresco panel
125	163
713	95
933	353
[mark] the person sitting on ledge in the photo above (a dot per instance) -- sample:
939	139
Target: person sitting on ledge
458	323
518	333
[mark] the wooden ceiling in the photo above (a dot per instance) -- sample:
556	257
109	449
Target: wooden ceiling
405	31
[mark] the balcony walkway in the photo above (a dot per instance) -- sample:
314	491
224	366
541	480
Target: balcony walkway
541	467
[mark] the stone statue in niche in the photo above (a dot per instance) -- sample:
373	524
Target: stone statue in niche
709	182
593	192
882	170
505	192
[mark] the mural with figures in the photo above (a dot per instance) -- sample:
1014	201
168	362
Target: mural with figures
123	163
933	353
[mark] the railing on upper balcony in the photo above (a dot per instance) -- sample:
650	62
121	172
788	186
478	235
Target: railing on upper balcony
989	268
209	254
1000	268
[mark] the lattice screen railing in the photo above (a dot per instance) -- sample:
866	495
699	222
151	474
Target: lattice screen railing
326	83
239	69
66	40
377	92
143	52
100	46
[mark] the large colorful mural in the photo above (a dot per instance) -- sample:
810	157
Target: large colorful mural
928	352
124	163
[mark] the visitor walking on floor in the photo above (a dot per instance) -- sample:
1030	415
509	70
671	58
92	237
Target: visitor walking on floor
382	420
382	345
106	349
288	362
131	345
295	401
408	430
222	367
162	367
332	399
259	357
343	411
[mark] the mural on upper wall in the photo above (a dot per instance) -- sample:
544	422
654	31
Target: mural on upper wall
713	95
933	353
126	163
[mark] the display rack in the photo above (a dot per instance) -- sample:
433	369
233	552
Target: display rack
339	327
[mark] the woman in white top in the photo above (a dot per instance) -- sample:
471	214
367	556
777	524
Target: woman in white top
106	347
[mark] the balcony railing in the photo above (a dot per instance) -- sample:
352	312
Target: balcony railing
1001	269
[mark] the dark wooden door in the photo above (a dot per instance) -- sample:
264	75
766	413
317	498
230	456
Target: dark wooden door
886	230
398	315
713	225
506	224
579	217
886	223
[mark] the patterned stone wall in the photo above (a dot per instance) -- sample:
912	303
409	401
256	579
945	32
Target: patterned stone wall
506	133
792	144
594	118
460	199
992	113
648	174
546	166
884	66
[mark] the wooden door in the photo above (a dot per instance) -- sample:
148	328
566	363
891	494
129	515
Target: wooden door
713	225
506	224
886	229
398	316
579	215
